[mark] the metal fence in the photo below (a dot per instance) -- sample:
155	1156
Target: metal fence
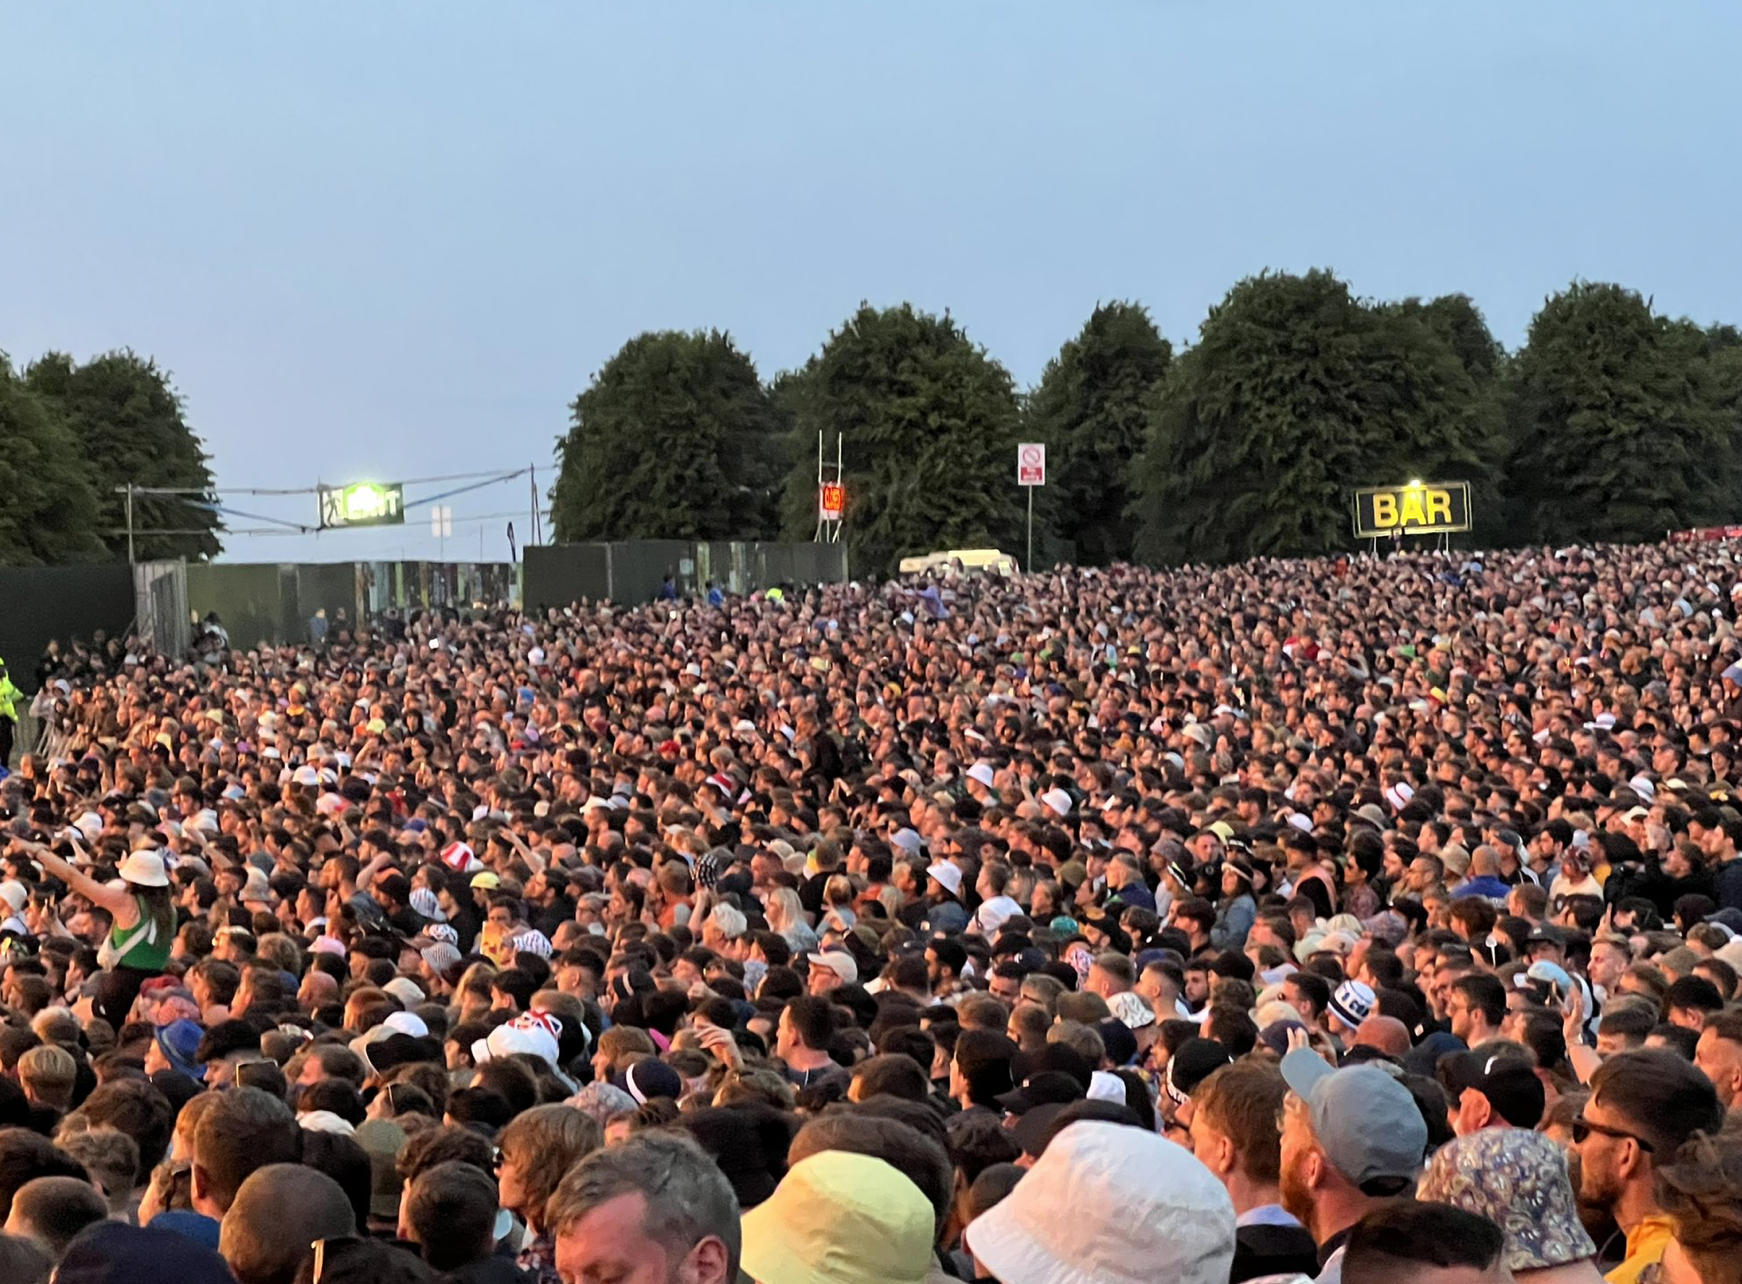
270	604
633	571
160	596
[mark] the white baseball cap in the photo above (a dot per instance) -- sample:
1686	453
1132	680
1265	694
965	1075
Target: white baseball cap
839	962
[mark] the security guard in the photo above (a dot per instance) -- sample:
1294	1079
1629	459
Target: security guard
10	695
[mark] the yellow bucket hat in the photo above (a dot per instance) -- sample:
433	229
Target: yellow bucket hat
840	1218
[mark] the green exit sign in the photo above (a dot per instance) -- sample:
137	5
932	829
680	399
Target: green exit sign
363	504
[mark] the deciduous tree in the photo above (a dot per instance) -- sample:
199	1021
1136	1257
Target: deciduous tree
1091	409
929	423
130	427
1619	420
50	510
1296	393
676	438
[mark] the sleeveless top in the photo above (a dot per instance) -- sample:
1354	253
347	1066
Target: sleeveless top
148	955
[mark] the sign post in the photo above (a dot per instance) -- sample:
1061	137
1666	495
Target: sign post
831	492
441	525
1030	472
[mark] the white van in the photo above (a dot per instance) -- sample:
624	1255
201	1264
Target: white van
961	561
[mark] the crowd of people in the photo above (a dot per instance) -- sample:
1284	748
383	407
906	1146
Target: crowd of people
1363	920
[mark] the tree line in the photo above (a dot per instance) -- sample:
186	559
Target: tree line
1611	423
70	434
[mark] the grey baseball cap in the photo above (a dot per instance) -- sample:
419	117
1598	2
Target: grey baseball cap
1365	1121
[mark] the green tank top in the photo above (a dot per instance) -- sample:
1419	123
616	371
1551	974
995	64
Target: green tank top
148	955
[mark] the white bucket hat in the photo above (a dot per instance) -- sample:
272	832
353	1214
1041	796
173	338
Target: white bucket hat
1109	1204
144	869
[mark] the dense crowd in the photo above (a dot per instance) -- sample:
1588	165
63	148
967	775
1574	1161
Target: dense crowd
1363	920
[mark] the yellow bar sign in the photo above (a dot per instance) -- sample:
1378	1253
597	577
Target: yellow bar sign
1418	508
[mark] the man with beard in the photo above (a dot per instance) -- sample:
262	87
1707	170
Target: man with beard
1643	1106
1352	1141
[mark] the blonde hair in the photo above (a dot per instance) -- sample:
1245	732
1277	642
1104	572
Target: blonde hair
49	1072
111	1157
478	976
783	910
544	1143
279	949
621	1041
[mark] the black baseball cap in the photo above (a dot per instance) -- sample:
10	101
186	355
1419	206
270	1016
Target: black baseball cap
1509	1083
1049	1087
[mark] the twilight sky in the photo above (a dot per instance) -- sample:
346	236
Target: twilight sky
379	240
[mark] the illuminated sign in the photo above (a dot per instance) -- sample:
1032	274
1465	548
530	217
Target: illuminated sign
363	504
833	501
1419	508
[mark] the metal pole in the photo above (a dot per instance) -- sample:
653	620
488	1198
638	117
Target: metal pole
822	522
130	560
1029	565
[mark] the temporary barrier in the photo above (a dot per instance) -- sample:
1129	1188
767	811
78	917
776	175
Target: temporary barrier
635	571
39	604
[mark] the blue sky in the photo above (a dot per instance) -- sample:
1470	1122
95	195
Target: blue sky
389	240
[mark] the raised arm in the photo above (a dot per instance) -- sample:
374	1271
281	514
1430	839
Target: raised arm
113	899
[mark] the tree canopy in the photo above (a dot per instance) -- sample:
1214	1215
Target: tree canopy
50	513
929	425
676	438
130	428
1296	393
1092	409
1624	423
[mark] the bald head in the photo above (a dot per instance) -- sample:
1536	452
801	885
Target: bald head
1484	863
1385	1033
318	988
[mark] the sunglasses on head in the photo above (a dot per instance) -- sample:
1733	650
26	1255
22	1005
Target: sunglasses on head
325	1249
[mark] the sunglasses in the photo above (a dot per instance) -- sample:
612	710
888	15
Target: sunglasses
1583	1128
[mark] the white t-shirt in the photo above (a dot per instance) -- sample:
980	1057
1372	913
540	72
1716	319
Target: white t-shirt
1564	886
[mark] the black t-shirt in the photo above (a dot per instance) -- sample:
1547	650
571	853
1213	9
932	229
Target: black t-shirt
810	894
1273	1250
550	917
